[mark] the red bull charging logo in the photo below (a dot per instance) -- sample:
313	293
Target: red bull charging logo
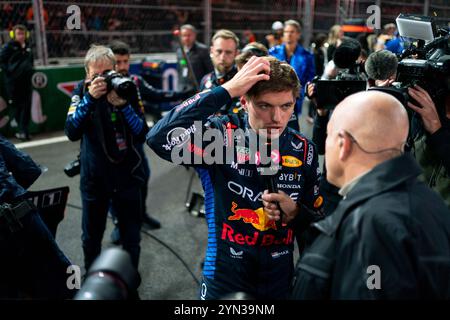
257	217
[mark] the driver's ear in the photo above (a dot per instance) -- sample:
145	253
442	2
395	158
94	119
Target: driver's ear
244	102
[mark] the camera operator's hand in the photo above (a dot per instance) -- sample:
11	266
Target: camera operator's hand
97	87
289	206
311	94
256	69
115	100
426	109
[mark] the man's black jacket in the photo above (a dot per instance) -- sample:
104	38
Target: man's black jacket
390	224
17	62
200	61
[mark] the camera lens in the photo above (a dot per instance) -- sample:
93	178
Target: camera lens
111	277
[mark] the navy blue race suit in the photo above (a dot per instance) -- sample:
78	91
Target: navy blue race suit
32	265
246	252
113	170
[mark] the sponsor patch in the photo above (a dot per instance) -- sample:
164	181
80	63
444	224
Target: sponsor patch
297	146
236	254
178	136
290	161
310	157
318	202
279	254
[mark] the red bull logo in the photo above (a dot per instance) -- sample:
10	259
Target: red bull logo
257	217
229	234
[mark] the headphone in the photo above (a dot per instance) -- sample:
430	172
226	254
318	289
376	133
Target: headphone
12	34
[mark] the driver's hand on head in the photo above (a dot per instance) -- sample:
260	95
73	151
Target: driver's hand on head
426	109
97	87
256	69
287	205
115	100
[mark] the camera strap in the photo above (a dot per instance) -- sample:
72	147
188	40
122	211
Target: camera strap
112	132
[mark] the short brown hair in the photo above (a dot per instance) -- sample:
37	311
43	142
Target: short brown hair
282	78
19	27
250	50
293	23
226	34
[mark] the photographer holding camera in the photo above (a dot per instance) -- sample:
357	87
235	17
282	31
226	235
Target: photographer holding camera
429	134
346	70
112	129
149	94
433	149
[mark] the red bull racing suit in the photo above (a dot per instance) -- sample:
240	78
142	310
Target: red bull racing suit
246	252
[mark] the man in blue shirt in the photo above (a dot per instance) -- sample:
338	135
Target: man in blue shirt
299	58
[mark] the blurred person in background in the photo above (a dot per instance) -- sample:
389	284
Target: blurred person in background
223	51
335	36
389	39
16	59
299	58
198	55
274	38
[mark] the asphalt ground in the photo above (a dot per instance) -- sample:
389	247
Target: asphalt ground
171	257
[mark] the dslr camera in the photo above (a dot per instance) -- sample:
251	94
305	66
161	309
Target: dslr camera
124	86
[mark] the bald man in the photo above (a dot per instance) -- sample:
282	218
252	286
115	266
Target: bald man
389	237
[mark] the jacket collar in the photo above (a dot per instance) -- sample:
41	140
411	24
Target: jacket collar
299	50
383	177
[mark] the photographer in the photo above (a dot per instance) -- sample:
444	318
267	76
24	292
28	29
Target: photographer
149	94
433	149
112	129
32	265
381	68
345	68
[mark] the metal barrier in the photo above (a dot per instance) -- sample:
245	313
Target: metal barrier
64	29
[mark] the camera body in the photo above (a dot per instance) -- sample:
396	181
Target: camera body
330	92
427	65
350	79
73	168
432	74
124	86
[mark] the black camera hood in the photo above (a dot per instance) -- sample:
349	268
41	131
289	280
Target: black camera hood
118	262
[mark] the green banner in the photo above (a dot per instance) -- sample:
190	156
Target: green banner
52	89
